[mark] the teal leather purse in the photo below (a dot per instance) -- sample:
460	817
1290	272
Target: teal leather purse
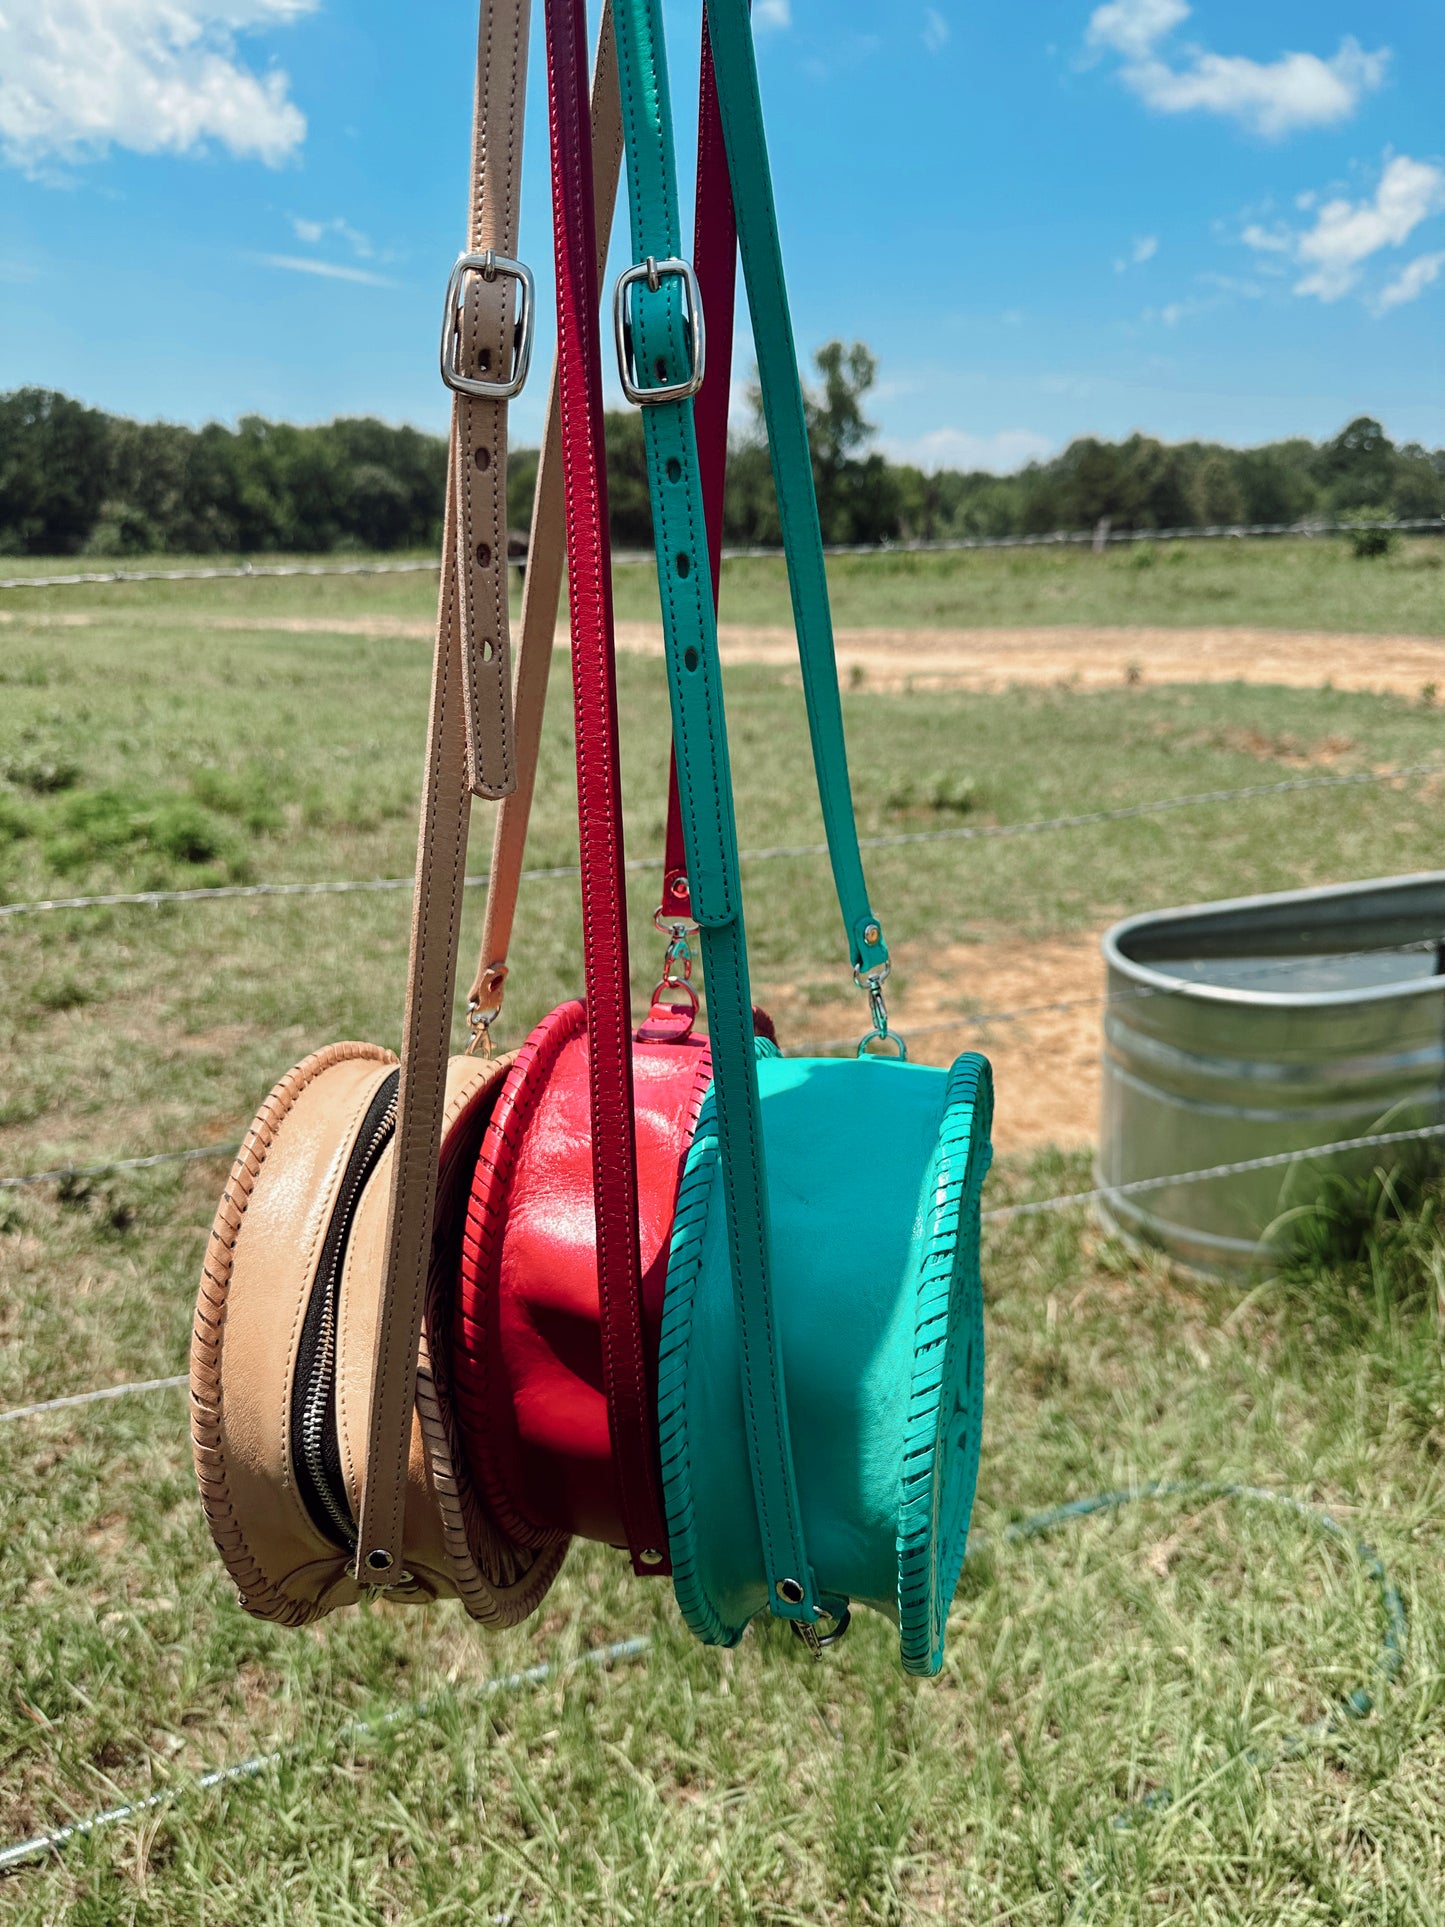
822	1343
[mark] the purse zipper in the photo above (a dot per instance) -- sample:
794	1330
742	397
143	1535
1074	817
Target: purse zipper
317	1451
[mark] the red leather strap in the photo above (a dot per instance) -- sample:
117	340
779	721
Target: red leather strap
630	1398
715	260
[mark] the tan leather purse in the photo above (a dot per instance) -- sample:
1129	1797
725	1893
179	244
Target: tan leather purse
321	1416
282	1351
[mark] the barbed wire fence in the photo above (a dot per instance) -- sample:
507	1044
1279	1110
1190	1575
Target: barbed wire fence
892	840
1097	538
998	1215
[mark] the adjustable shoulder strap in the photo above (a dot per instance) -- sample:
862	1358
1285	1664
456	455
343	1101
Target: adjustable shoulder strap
659	324
730	33
453	734
599	796
485	352
543	587
715	254
715	258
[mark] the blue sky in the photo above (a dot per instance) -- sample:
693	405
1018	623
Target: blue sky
1218	219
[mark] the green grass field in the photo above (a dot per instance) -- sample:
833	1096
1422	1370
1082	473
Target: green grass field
1114	1737
1306	584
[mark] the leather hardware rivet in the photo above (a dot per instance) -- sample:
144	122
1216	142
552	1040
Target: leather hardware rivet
650	1556
791	1590
871	933
680	886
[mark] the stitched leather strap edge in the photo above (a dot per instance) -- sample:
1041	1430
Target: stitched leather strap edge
704	782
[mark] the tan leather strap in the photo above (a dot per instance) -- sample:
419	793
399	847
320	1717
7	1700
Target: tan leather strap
460	718
545	561
486	349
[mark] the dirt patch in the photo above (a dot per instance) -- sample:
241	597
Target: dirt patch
1086	657
1078	656
1045	1057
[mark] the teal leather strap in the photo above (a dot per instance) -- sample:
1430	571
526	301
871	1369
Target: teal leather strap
744	135
662	352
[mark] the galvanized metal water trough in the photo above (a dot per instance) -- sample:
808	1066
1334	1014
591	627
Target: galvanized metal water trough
1263	1025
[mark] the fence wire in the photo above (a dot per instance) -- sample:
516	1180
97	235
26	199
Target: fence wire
1098	537
97	1397
1433	947
979	1020
900	839
59	1837
1001	1214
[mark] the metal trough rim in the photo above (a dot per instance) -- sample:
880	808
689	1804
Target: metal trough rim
1166	984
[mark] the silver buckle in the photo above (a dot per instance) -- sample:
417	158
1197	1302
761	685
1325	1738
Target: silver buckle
488	266
652	271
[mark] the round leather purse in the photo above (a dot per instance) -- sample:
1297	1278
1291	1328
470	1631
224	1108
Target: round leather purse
875	1173
281	1353
528	1335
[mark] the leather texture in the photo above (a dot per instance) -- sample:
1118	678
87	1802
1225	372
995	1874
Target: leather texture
442	837
260	1275
705	791
614	1185
715	255
431	975
479	425
545	561
878	1168
730	35
528	1338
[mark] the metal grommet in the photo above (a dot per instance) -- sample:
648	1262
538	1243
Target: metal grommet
378	1560
791	1590
871	933
650	1556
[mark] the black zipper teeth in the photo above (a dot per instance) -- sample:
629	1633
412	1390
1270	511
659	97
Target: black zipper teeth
313	1408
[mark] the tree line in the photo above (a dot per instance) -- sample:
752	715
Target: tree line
77	481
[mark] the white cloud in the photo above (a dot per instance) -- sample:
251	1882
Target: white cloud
773	14
1335	250
1011	448
78	77
935	30
1272	98
1345	234
1135	27
1145	247
314	232
1411	282
328	270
